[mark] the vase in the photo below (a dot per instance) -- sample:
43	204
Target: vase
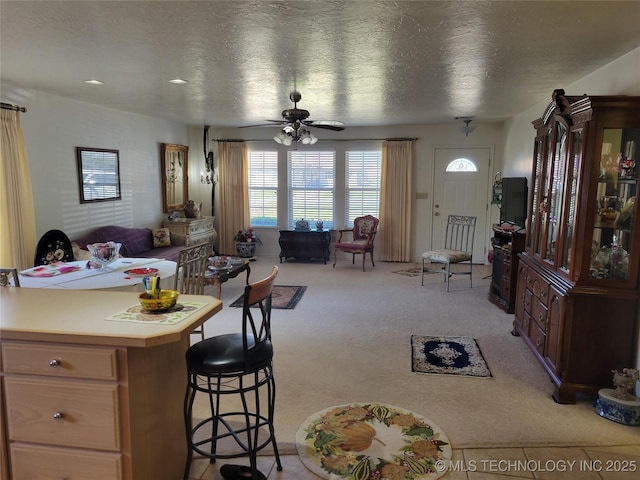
191	209
246	249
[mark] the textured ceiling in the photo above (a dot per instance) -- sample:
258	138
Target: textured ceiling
361	62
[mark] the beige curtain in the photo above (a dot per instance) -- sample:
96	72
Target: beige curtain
233	193
396	193
17	222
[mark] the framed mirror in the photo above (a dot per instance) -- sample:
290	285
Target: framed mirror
98	174
175	186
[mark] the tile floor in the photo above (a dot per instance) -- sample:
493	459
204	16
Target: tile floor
544	463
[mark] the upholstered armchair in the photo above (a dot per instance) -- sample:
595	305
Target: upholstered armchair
363	234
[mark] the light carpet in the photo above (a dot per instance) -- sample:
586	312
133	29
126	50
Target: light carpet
447	355
284	297
352	348
368	441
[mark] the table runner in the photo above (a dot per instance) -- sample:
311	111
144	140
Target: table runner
137	314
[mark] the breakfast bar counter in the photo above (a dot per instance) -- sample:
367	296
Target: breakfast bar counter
88	393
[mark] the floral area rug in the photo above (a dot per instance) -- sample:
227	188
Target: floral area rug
372	441
448	356
283	296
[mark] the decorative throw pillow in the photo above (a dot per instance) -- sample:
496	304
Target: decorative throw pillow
161	237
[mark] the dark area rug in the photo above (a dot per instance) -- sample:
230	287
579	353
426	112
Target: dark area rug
446	355
283	297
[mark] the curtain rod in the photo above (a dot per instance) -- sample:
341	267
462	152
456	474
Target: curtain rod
8	106
404	139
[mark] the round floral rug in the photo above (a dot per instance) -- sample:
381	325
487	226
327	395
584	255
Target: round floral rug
372	441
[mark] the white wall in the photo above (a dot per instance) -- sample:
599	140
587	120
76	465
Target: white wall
621	77
429	138
53	126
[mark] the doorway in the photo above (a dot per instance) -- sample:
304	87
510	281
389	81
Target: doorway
461	187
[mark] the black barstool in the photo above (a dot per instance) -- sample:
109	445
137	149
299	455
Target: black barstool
235	364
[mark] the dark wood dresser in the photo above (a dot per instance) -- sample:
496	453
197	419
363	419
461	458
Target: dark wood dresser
507	243
305	244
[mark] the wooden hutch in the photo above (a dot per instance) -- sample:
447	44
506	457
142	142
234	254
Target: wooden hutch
577	289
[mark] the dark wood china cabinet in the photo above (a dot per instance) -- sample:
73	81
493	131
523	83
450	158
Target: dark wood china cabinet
577	289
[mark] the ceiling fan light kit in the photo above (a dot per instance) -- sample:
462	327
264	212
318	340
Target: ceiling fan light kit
466	128
294	123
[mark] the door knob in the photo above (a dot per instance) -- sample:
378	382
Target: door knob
437	214
437	205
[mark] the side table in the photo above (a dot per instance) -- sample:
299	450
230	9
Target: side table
218	277
198	230
305	244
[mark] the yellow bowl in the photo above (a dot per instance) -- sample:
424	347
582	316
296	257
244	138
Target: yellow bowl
168	299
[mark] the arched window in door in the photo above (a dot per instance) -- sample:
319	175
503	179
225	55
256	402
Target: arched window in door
461	165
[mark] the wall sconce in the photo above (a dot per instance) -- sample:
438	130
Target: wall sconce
466	128
210	177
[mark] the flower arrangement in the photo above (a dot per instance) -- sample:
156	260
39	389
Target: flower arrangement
249	235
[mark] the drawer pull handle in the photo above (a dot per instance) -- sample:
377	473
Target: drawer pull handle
58	416
54	363
543	293
538	342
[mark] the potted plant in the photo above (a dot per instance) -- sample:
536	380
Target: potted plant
246	242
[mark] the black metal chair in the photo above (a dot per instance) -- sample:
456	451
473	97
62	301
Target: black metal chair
235	364
53	246
5	277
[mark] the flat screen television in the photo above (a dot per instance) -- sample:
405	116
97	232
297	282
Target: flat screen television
513	207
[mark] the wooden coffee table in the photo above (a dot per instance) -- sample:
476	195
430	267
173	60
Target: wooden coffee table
218	277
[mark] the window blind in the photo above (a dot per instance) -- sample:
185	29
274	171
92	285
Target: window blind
263	188
311	181
363	184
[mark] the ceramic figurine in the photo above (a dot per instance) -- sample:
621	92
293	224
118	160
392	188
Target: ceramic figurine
620	404
625	383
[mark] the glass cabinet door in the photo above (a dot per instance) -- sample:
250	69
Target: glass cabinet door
615	209
534	214
556	185
573	170
543	204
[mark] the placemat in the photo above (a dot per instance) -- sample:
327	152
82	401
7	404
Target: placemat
137	314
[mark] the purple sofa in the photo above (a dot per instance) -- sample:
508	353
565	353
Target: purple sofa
136	242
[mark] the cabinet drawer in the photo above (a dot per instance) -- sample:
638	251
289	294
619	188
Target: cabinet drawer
201	226
62	412
60	361
30	462
537	285
539	313
537	337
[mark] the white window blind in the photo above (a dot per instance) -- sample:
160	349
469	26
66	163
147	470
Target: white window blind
363	184
263	188
311	178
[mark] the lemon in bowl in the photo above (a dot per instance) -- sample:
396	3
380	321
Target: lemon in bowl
152	303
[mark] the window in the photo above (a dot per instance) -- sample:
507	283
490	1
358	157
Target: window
263	188
98	174
311	178
461	165
363	184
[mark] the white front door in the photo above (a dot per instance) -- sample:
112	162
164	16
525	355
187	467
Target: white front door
461	192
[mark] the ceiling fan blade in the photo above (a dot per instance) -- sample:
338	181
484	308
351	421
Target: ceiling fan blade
276	122
326	124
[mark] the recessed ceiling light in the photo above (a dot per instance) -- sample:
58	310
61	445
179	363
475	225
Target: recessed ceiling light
178	81
94	82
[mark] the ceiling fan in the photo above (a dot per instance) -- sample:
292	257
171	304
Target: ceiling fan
294	122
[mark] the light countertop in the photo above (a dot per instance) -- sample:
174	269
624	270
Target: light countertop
79	316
